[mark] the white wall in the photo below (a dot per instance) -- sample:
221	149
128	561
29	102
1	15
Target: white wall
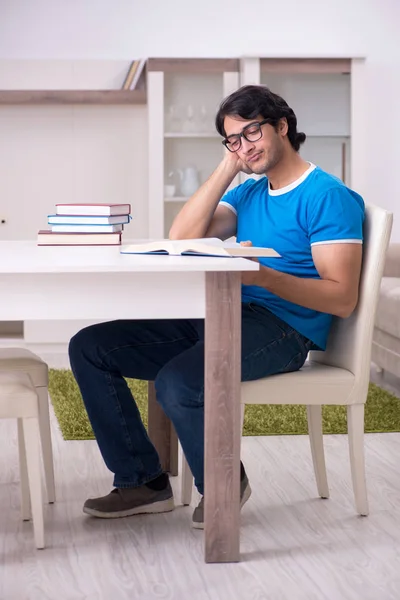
122	29
64	154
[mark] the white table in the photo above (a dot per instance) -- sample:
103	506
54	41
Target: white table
100	283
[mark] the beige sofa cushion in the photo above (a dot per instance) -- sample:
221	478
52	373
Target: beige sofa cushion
392	262
386	352
388	313
387	341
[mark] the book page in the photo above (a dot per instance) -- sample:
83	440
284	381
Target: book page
174	247
203	246
217	247
199	246
160	247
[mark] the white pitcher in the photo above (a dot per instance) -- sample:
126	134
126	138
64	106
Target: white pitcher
189	180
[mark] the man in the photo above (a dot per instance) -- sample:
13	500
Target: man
314	222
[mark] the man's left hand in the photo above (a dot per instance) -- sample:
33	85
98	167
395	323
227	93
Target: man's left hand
250	277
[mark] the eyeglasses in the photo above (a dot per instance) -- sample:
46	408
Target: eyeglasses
251	133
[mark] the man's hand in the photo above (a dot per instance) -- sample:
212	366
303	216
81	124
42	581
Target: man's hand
250	277
233	160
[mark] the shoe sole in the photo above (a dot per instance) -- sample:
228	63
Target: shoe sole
246	496
146	509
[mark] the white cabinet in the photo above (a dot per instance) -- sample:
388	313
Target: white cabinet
319	92
183	98
184	147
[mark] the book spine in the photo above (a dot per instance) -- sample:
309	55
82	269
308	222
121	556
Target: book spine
138	73
87	228
130	75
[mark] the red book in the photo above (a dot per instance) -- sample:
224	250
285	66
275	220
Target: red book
93	209
57	238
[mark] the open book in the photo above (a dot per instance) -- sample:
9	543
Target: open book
197	247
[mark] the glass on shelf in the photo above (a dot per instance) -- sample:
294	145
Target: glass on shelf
173	119
189	125
169	190
206	125
169	186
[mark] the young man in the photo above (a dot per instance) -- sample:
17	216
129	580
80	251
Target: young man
315	223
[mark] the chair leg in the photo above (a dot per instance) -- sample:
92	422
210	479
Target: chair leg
32	446
173	452
187	482
162	433
242	410
314	418
23	474
355	427
45	437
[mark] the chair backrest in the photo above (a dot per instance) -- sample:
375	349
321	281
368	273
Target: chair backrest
350	339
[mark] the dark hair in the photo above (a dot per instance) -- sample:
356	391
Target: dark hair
251	101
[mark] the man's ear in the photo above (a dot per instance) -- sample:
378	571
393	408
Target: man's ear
283	126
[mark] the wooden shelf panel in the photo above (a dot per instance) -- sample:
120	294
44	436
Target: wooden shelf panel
305	65
11	330
73	96
193	65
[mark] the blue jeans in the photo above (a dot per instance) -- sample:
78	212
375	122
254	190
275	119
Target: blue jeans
171	353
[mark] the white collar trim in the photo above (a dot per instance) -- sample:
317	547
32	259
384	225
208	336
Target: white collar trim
293	185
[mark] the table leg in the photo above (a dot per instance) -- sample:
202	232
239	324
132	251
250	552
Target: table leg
162	433
222	416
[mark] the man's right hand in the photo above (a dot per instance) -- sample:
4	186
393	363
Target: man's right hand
201	216
235	163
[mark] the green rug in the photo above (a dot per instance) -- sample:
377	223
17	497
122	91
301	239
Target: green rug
382	412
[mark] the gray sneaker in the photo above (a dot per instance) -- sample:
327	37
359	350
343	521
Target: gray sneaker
198	514
124	502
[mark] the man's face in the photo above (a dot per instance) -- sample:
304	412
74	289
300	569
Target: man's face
260	155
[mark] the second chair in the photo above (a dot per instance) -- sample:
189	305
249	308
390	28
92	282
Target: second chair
19	360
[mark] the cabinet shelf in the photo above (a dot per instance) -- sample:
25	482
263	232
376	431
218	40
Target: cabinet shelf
305	65
193	65
73	96
339	136
176	137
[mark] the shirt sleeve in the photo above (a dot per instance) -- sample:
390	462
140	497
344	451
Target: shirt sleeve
337	217
232	198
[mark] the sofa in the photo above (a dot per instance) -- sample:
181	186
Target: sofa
386	339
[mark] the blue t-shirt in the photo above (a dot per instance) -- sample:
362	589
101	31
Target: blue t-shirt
316	209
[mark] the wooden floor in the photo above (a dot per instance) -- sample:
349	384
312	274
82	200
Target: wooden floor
294	545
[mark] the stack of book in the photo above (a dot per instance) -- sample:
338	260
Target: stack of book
85	225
